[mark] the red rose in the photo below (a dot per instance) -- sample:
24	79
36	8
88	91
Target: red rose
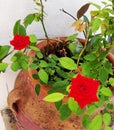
84	90
20	42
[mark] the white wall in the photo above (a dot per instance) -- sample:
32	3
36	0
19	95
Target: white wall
57	24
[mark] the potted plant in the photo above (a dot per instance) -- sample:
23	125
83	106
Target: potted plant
67	77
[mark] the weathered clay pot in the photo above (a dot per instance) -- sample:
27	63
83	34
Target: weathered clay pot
32	112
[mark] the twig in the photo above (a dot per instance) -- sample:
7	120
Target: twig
42	19
85	44
68	14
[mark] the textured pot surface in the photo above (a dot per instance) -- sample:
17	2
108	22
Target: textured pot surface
36	114
32	112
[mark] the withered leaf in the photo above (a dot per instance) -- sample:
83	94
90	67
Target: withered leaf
82	10
79	25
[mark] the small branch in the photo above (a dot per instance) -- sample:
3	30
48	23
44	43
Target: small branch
68	14
43	25
84	48
42	19
81	53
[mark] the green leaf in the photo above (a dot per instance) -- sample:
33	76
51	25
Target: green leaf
43	76
19	29
37	17
86	19
68	63
90	57
35	76
103	2
108	128
58	104
3	66
4	51
110	106
96	123
78	48
107	119
50	71
72	104
108	67
33	66
61	84
34	48
15	66
103	75
33	38
24	65
79	111
72	37
72	48
86	68
29	19
55	58
39	55
106	92
96	5
22	30
37	89
64	112
43	63
58	86
61	73
54	97
37	3
91	109
86	121
13	58
95	24
101	101
111	81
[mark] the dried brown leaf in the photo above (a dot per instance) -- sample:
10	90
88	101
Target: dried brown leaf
82	10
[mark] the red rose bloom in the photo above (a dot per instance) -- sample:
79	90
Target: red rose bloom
20	42
84	90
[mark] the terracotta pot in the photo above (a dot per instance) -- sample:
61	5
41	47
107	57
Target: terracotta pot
32	112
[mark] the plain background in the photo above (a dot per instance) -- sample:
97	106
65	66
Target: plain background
57	24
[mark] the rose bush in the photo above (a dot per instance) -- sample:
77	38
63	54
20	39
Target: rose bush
79	70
